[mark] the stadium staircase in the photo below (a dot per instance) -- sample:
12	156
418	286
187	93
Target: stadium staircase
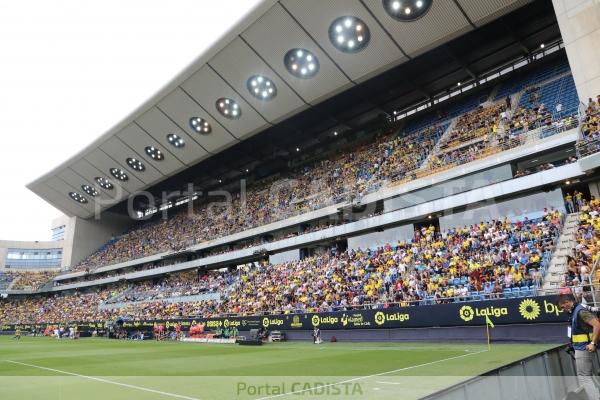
47	286
557	89
515	98
117	297
6	281
12	283
436	148
207	296
493	94
558	264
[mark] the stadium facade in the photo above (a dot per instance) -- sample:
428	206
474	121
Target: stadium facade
474	111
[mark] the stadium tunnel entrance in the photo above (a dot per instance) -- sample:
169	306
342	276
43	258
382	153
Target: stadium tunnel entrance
431	222
569	190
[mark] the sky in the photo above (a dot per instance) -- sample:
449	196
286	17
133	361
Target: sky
71	69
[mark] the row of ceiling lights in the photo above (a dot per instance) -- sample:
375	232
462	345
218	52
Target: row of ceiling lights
135	164
348	34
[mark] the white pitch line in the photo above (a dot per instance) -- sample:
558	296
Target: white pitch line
178	396
371	376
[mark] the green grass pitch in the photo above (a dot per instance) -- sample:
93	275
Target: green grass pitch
49	369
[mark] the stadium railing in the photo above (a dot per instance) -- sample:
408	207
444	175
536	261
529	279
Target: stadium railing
585	146
550	374
498	143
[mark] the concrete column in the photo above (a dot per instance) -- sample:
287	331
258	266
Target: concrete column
3	254
595	189
579	22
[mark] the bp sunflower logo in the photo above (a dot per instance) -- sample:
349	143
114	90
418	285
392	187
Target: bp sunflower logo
529	309
379	318
466	313
315	320
266	322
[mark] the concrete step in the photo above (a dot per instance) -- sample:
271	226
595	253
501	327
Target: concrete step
564	247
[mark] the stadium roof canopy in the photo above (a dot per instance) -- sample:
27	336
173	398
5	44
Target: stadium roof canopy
285	57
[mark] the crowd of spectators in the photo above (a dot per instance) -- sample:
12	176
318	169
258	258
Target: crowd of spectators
188	283
500	253
590	129
525	119
56	308
390	158
544	167
478	124
459	156
31	280
433	267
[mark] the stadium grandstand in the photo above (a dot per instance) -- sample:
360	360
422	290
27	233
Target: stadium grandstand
348	171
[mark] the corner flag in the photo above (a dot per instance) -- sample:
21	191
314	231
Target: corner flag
488	324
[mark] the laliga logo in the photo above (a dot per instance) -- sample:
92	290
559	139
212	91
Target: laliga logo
266	322
379	318
226	323
316	320
529	309
466	313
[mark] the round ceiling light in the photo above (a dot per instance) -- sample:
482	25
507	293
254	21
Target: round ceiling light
119	174
406	10
261	87
228	108
135	164
77	197
200	125
104	183
89	190
154	153
349	34
301	63
175	140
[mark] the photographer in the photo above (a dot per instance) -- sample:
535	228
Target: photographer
584	331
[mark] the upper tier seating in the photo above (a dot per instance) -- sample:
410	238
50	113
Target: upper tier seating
533	78
31	280
561	90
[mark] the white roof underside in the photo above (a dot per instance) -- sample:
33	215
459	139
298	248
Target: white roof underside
256	45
